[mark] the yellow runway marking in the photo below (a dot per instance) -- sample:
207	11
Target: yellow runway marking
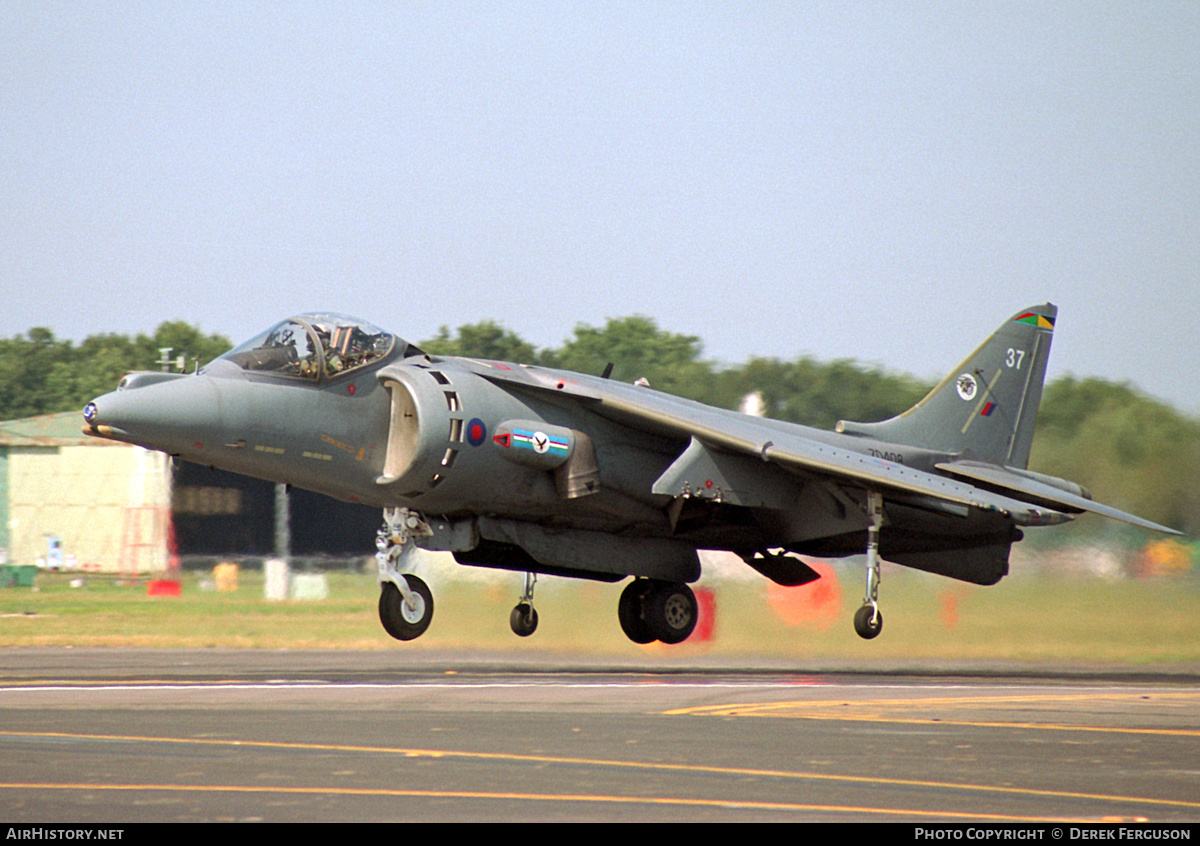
740	772
733	804
884	710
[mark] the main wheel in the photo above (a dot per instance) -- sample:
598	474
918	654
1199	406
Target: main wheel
400	621
671	612
631	611
523	619
868	622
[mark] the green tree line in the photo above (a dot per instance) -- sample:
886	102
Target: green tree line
1132	451
40	374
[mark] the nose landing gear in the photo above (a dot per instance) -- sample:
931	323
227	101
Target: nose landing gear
405	601
406	618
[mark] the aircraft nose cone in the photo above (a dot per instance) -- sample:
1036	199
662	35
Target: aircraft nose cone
166	414
111	416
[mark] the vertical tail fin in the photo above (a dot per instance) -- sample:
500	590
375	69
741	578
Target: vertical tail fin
986	407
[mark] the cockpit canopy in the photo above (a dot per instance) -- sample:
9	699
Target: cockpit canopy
313	346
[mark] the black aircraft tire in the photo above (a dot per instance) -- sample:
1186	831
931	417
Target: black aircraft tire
400	621
671	612
631	611
385	605
523	620
863	624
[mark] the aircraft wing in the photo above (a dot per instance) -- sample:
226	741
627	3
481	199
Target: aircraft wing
772	442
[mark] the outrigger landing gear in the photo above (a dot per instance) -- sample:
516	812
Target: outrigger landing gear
405	602
651	610
524	618
868	621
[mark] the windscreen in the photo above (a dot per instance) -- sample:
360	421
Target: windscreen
313	347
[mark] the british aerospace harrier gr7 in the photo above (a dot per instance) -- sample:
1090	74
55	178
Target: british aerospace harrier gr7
538	470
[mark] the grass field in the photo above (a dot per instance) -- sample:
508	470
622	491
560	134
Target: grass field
1132	622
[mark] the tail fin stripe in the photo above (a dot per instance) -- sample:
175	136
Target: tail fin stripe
987	392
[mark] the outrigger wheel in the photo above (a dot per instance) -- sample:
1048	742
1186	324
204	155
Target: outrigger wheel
868	621
402	620
523	619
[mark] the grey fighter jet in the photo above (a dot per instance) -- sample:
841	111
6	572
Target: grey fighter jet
537	470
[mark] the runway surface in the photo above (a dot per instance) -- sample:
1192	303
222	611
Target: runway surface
128	736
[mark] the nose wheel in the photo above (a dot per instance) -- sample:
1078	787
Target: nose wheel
406	618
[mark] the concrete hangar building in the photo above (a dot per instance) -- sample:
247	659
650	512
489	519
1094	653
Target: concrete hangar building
71	501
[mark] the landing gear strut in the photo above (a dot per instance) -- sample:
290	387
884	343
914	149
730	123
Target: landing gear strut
868	621
524	618
651	610
405	602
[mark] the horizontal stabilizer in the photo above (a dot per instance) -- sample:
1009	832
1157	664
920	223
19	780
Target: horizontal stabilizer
1027	488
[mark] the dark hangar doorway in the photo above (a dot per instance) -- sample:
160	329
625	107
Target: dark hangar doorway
226	515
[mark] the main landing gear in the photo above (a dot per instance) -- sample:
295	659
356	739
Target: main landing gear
868	621
405	602
651	610
648	610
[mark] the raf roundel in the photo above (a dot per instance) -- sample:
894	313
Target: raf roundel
476	432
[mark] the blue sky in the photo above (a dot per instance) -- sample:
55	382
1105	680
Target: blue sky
882	181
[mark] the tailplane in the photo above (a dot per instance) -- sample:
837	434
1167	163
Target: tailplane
986	407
